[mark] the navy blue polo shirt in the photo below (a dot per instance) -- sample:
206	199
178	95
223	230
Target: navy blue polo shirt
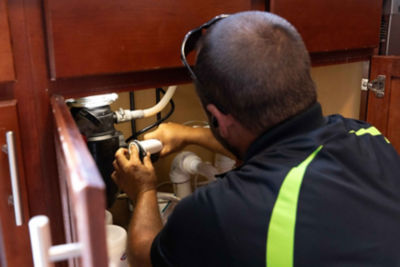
312	191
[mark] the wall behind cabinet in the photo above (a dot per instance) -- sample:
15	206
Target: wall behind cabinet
339	88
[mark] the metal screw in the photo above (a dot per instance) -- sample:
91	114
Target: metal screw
4	148
10	200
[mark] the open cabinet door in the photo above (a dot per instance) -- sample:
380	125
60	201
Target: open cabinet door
82	190
384	109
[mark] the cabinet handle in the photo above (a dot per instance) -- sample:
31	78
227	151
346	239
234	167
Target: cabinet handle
44	254
12	161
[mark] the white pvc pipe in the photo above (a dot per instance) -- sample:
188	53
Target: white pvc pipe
183	166
183	189
194	165
181	182
207	170
223	163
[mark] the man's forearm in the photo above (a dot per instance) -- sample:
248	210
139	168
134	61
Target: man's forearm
145	225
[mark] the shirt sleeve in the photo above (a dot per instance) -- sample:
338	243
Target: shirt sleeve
191	237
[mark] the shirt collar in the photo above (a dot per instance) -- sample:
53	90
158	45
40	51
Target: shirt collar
304	122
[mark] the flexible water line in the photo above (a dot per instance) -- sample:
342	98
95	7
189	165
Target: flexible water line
162	104
123	115
167	196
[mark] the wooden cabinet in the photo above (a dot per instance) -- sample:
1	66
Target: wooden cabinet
383	111
340	30
14	239
6	58
94	37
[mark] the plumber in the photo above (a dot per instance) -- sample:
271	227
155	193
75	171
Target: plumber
311	190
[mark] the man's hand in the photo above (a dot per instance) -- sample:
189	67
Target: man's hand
173	136
138	180
131	175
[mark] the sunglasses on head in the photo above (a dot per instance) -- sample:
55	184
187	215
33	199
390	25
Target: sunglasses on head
191	39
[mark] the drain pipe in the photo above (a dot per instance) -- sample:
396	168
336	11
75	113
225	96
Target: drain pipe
183	166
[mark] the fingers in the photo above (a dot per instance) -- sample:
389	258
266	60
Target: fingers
115	165
122	163
147	161
114	176
120	157
134	155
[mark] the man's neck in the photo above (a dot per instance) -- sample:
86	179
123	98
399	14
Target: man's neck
242	140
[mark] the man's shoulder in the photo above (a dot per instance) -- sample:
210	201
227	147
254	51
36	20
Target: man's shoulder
202	203
248	189
349	123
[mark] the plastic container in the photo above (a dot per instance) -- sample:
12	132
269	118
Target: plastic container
116	246
109	217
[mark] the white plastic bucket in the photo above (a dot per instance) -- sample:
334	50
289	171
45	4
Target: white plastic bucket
116	246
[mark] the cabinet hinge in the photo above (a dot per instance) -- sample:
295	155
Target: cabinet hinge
377	86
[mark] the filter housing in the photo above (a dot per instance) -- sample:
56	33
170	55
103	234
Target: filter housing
95	120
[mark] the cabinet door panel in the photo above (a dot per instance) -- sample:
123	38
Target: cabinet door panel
81	187
333	25
6	58
101	36
384	112
15	247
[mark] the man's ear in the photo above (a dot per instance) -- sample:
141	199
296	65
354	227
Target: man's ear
221	122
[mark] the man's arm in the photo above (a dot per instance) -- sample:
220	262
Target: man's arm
138	180
176	136
144	226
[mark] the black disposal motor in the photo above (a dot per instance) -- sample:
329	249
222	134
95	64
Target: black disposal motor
95	120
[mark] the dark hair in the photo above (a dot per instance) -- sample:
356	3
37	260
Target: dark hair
254	66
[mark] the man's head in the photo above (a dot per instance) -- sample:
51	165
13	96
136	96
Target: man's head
255	67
